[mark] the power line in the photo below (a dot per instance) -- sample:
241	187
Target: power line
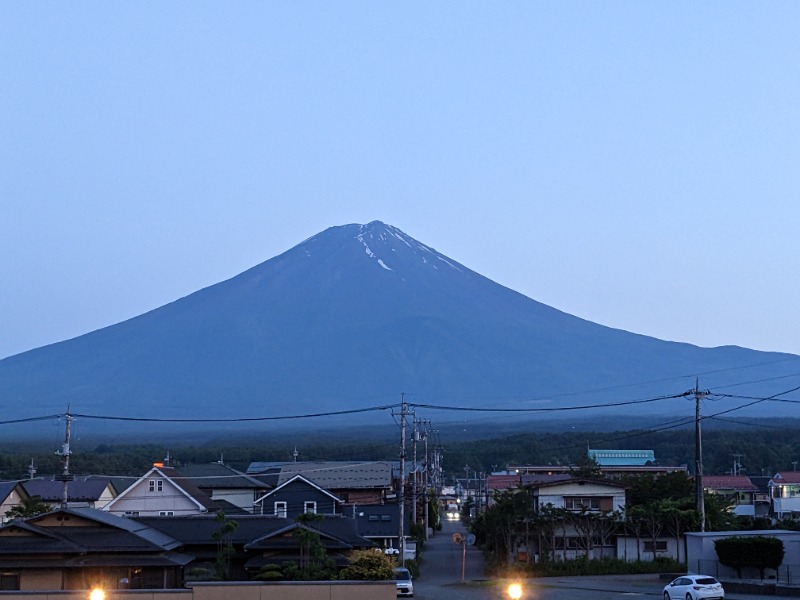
548	409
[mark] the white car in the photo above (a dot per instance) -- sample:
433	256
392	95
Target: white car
694	587
402	577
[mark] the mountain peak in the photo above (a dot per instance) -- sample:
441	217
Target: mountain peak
349	318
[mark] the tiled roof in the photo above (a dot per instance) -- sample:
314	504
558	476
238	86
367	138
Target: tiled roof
330	475
728	482
88	489
784	477
217	475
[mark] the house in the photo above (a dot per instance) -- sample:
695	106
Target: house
784	492
256	540
380	523
295	497
355	482
79	548
336	534
740	491
86	492
162	491
225	484
12	493
613	464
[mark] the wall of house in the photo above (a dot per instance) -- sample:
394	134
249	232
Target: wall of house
702	556
242	498
665	546
40	580
290	590
140	500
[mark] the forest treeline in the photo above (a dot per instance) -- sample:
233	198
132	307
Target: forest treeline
761	450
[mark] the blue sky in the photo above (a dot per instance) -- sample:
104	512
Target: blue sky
633	163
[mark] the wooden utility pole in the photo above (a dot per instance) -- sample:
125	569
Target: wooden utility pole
698	456
401	495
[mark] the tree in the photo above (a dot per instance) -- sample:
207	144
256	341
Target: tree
29	507
761	552
224	538
368	565
314	563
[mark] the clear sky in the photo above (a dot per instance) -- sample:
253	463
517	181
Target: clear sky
633	163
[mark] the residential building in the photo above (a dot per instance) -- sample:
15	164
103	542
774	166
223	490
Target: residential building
740	491
354	482
162	491
295	497
224	484
82	492
12	493
784	492
79	548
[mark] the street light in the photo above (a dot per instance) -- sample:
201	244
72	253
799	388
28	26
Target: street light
97	594
515	591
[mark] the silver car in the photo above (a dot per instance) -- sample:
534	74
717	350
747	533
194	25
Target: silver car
402	577
694	587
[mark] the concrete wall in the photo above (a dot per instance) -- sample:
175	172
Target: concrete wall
285	590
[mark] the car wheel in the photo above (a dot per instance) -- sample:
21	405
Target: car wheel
666	596
689	596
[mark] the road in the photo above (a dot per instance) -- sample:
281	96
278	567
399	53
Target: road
443	561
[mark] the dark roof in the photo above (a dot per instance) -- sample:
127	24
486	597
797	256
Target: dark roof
199	529
330	475
6	487
335	533
91	531
219	476
88	489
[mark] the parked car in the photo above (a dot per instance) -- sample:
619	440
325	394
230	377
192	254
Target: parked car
694	587
404	585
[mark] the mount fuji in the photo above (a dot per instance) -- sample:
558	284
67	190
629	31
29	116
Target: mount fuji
351	319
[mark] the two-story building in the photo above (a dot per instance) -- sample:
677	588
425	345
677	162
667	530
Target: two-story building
784	491
740	491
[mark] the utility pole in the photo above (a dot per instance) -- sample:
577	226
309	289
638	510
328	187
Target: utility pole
427	479
698	456
414	467
65	452
401	542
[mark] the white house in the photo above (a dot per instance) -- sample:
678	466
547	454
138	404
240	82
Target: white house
784	491
162	491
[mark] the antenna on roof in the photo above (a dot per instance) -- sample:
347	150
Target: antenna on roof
31	470
221	458
295	454
167	458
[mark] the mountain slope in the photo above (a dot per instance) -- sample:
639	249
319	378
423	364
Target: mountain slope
351	318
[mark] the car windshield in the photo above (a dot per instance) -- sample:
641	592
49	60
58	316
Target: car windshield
707	581
402	575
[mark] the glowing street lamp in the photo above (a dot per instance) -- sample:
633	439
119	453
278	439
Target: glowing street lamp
97	594
515	591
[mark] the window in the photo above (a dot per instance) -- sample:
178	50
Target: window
578	503
9	581
280	509
372	518
309	506
131	513
166	513
661	546
156	485
386	517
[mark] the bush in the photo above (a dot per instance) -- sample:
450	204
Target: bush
583	566
760	551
